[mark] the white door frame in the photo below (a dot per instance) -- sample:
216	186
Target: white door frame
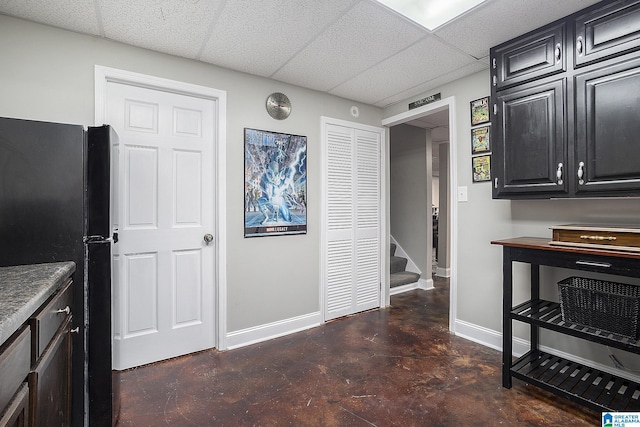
103	75
443	104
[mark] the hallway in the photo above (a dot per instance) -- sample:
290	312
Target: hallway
393	367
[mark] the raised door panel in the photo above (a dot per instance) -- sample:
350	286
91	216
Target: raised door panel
609	30
607	129
529	57
14	364
50	382
17	413
45	322
530	151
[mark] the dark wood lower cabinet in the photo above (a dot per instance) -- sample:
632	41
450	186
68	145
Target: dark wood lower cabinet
35	367
50	382
17	413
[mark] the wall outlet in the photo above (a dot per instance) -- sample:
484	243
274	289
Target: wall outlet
462	194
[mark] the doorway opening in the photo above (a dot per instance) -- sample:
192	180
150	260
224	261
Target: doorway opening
438	122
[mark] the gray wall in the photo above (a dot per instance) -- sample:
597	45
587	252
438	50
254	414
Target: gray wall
444	235
48	74
481	220
409	209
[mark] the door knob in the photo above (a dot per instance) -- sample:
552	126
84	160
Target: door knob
208	238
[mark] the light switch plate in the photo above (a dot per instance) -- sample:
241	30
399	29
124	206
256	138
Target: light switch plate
462	194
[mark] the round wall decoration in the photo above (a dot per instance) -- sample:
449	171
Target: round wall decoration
278	106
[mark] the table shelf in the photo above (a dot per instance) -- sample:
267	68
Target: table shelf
548	315
597	389
592	387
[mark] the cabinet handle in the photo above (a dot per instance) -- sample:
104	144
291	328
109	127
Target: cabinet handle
558	53
559	174
493	62
579	46
594	264
75	330
599	238
495	109
495	80
495	183
65	310
580	173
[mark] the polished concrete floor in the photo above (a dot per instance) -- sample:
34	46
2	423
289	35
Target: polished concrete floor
393	367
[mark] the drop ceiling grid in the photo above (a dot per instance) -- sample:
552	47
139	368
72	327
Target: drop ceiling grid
170	26
423	89
497	21
408	68
260	37
362	37
74	15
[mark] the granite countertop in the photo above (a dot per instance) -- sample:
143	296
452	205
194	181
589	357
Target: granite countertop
24	288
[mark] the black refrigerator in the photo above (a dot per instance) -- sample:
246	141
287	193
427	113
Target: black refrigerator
54	206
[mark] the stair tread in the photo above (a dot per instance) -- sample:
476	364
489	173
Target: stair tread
403	278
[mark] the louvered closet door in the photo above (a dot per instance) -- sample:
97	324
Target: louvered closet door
352	220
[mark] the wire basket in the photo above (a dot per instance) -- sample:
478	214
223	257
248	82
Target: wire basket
608	306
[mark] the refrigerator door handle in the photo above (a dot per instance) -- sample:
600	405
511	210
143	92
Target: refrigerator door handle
97	239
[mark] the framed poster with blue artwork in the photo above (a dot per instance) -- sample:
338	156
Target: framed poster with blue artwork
275	183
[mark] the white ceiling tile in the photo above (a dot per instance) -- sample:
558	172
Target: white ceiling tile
424	88
259	37
496	21
424	61
357	49
364	36
74	15
176	27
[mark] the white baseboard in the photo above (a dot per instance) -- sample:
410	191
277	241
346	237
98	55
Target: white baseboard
269	331
493	339
424	284
443	272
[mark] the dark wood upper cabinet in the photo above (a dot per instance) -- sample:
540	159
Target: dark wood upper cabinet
607	30
531	57
569	128
607	149
531	131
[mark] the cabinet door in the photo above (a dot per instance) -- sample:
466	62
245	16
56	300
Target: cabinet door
529	57
17	413
530	150
50	382
607	143
609	30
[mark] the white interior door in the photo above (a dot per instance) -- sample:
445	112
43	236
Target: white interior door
352	242
163	208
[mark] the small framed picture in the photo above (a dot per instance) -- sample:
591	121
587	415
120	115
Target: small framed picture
481	166
480	111
481	140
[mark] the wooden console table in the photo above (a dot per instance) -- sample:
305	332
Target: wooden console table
592	387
